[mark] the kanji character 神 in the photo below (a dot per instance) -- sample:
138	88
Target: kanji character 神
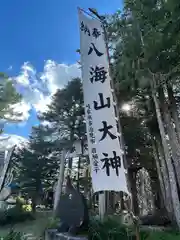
111	162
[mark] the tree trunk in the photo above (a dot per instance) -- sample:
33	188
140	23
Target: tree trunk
174	111
173	185
122	207
172	136
165	175
157	189
132	179
159	171
34	202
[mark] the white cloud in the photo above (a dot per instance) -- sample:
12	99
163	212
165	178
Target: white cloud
19	111
57	75
8	141
38	88
42	104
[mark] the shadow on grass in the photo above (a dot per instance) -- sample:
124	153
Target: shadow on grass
35	227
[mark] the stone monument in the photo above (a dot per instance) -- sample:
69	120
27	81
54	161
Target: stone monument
72	211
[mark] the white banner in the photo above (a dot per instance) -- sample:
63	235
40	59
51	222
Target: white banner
107	169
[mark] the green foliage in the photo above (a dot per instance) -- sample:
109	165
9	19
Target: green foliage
14	215
146	51
8	94
36	164
8	97
52	223
66	117
162	236
12	235
108	229
111	229
66	113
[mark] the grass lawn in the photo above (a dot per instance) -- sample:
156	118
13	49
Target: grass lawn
35	227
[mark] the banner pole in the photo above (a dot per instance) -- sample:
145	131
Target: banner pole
58	191
102	205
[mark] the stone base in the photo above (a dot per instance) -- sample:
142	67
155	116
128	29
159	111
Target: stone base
65	236
52	234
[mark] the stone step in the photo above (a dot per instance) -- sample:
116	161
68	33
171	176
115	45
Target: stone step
53	234
64	236
29	236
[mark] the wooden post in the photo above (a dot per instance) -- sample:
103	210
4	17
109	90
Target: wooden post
102	205
58	190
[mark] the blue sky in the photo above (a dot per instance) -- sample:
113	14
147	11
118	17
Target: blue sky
38	43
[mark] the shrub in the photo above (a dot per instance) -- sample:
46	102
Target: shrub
111	229
14	215
163	236
12	235
52	223
108	229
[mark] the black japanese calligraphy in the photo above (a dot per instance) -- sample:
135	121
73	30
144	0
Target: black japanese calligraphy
89	118
93	150
89	112
96	167
85	29
105	131
92	140
96	33
98	74
91	132
102	104
93	47
95	159
111	162
90	122
95	156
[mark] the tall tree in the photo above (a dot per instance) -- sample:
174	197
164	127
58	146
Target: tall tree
36	164
146	61
8	97
66	114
